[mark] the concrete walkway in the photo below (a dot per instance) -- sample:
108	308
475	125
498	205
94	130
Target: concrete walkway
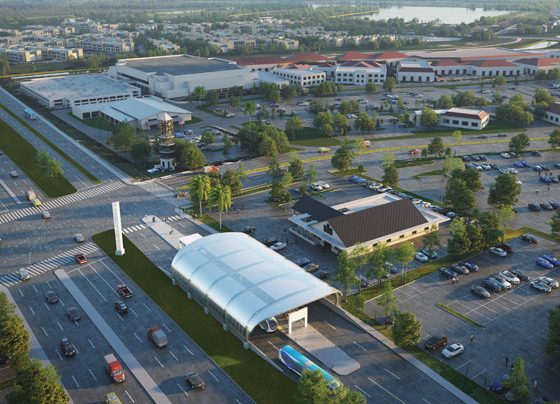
120	348
36	351
319	346
168	233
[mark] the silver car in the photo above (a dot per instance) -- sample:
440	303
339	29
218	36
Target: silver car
548	281
502	281
510	277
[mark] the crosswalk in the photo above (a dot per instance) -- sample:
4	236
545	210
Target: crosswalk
132	229
50	263
62	201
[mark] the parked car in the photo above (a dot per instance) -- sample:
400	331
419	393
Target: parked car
80	259
546	206
520	274
540	286
121	307
506	247
249	229
510	277
492	285
322	274
67	348
529	238
421	257
278	246
505	155
480	291
194	380
79	238
544	263
502	281
536	167
548	281
471	266
452	351
270	241
311	267
429	253
498	251
534	207
536	153
51	296
434	343
303	261
448	273
73	313
391	268
552	260
460	269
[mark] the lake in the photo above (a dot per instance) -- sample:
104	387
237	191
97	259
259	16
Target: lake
447	15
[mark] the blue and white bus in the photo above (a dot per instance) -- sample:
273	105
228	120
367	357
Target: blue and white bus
299	363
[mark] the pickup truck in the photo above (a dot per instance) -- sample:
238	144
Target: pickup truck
124	291
114	368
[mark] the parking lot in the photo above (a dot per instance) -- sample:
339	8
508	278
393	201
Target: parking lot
515	321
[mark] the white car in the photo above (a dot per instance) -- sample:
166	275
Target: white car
505	155
230	115
540	286
486	166
315	186
548	281
477	167
498	251
519	182
384	188
510	277
452	350
323	184
502	281
278	246
24	274
513	171
421	257
351	116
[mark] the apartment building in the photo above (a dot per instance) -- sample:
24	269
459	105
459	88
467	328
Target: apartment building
360	73
301	75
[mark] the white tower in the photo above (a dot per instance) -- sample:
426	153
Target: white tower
118	229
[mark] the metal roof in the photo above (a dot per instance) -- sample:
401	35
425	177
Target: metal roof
178	65
245	279
139	108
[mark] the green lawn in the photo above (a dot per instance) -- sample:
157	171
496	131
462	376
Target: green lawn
310	136
97	123
420	161
428	174
21	152
53	146
259	379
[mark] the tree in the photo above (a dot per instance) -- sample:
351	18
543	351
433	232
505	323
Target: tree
429	118
123	136
140	149
554	139
364	122
233	181
505	191
390	84
212	97
470	176
457	136
296	169
279	192
376	260
312	388
199	92
553	343
340	123
249	108
451	164
227	143
499	81
518	381
310	174
404	254
37	384
294	124
327	130
390	175
474	234
199	190
234	101
207	138
458	244
274	166
436	146
323	118
371	88
343	157
4	65
555	225
346	273
188	155
48	164
289	92
14	339
543	95
445	102
387	300
431	239
221	196
518	143
505	215
489	228
460	196
406	330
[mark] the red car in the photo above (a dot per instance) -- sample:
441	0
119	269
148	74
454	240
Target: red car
414	152
80	259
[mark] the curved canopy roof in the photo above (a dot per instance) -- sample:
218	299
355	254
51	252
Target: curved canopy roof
249	281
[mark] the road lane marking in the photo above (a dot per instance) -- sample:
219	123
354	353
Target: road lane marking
92	285
92	375
110	270
212	374
31	310
466	363
329	324
426	401
274	346
59	326
361	347
182	389
386	391
75	381
362	391
45	331
91	343
166	327
157	360
137	337
129	396
188	350
104	280
391	373
133	312
20	292
173	355
146	306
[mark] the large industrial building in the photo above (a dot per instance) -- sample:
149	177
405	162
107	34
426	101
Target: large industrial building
241	282
177	76
77	89
379	219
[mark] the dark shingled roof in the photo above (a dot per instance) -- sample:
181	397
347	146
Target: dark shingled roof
375	222
318	211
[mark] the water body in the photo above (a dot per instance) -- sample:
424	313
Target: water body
447	15
540	45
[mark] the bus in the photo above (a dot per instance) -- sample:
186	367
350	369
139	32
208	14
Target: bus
30	114
299	363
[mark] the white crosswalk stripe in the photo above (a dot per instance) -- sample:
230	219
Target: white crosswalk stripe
131	229
62	201
49	264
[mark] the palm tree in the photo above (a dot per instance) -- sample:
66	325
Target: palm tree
221	196
199	188
250	108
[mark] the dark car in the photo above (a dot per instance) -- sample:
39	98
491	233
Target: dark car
536	153
270	241
73	313
390	319
194	380
534	207
121	307
435	343
249	229
506	247
311	267
546	206
480	291
448	273
51	296
466	158
67	348
492	285
520	274
474	157
545	168
303	261
471	266
322	274
528	238
554	204
460	269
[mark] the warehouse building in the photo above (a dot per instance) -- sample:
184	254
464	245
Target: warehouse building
176	76
79	89
241	282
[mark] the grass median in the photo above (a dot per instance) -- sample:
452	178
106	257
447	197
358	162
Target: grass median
259	379
22	153
310	136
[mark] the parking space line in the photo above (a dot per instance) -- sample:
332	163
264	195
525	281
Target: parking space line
92	375
212	374
50	286
58	354
92	285
188	350
47	306
110	270
104	280
35	288
75	381
145	305
20	292
362	391
129	396
391	373
182	389
173	355
478	374
361	347
59	326
31	310
426	401
166	327
137	337
463	364
159	363
61	302
91	343
386	391
119	316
